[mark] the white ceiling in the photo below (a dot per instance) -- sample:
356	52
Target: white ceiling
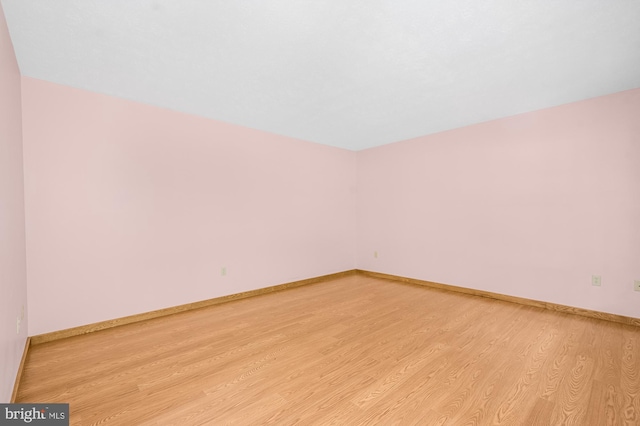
353	74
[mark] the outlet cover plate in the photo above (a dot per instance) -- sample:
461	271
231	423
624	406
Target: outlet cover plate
636	285
596	280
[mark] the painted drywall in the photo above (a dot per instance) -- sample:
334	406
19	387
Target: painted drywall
13	279
132	208
531	206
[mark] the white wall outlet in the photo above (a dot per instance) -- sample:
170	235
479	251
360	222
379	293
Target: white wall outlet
375	254
223	271
636	285
596	280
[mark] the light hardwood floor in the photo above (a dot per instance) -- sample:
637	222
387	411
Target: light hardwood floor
352	351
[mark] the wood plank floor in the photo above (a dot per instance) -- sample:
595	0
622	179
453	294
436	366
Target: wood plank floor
353	351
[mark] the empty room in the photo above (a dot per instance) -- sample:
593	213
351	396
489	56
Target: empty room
350	213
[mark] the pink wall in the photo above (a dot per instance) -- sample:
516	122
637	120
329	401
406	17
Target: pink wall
530	206
132	208
13	281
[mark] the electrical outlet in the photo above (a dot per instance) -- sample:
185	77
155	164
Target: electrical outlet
223	271
375	254
636	285
18	325
596	280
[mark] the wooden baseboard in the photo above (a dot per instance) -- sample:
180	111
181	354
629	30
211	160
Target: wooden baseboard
76	331
16	384
90	328
520	300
